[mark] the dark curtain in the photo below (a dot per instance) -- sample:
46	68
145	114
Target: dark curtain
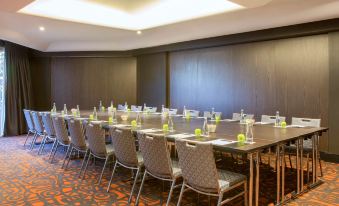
18	88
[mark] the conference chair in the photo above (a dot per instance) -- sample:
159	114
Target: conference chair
62	138
29	123
97	146
157	161
39	129
201	175
126	155
49	128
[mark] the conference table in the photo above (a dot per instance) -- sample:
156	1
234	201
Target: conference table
264	136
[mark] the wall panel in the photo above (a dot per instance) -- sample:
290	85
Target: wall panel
86	81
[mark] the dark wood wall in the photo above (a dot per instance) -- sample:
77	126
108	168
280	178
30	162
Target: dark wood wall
86	81
151	70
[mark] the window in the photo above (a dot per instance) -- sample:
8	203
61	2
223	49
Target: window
2	90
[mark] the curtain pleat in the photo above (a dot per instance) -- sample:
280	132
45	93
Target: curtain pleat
18	88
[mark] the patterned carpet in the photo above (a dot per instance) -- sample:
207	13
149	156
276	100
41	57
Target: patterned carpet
29	179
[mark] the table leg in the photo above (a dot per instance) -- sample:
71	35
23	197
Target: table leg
316	158
302	164
278	173
297	164
250	192
257	181
313	162
283	173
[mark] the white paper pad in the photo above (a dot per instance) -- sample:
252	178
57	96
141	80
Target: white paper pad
97	121
222	142
295	126
181	136
262	123
149	130
121	125
231	120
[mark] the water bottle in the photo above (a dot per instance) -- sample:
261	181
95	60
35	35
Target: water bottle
65	109
162	109
138	120
100	105
54	109
249	131
78	111
126	106
170	124
242	116
112	105
212	113
95	114
205	127
114	119
184	111
277	119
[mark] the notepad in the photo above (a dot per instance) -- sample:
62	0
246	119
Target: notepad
222	142
181	136
295	126
231	120
262	123
149	130
121	125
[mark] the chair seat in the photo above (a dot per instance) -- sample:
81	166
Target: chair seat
140	159
109	149
176	169
228	179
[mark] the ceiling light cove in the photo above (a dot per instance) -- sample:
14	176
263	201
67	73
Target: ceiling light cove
152	14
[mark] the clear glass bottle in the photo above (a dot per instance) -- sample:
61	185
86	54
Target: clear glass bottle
205	127
54	109
249	131
162	109
138	120
242	116
170	124
65	109
112	105
145	108
95	114
126	106
78	111
212	113
184	111
114	118
100	105
277	119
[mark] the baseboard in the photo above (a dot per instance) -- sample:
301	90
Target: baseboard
329	157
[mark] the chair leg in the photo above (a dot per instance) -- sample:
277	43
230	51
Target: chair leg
134	183
69	158
220	199
89	157
33	141
69	148
55	150
289	157
29	132
43	146
50	153
42	143
170	193
110	181
308	167
142	184
83	162
181	193
103	169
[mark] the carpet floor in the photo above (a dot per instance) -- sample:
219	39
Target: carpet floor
30	179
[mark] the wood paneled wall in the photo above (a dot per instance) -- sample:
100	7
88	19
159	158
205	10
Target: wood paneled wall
289	75
86	81
151	69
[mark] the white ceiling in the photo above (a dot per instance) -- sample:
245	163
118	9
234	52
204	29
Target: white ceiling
71	36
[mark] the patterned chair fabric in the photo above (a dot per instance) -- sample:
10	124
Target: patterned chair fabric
156	156
61	130
29	120
124	147
37	123
48	124
198	165
76	132
96	140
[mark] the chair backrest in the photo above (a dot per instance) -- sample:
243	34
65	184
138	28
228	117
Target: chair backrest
76	132
152	109
48	124
29	120
121	107
197	164
236	116
153	148
123	143
37	122
96	139
60	129
271	119
136	108
193	113
306	122
209	115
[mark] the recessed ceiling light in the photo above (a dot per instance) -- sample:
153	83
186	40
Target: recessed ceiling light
153	14
41	28
139	32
